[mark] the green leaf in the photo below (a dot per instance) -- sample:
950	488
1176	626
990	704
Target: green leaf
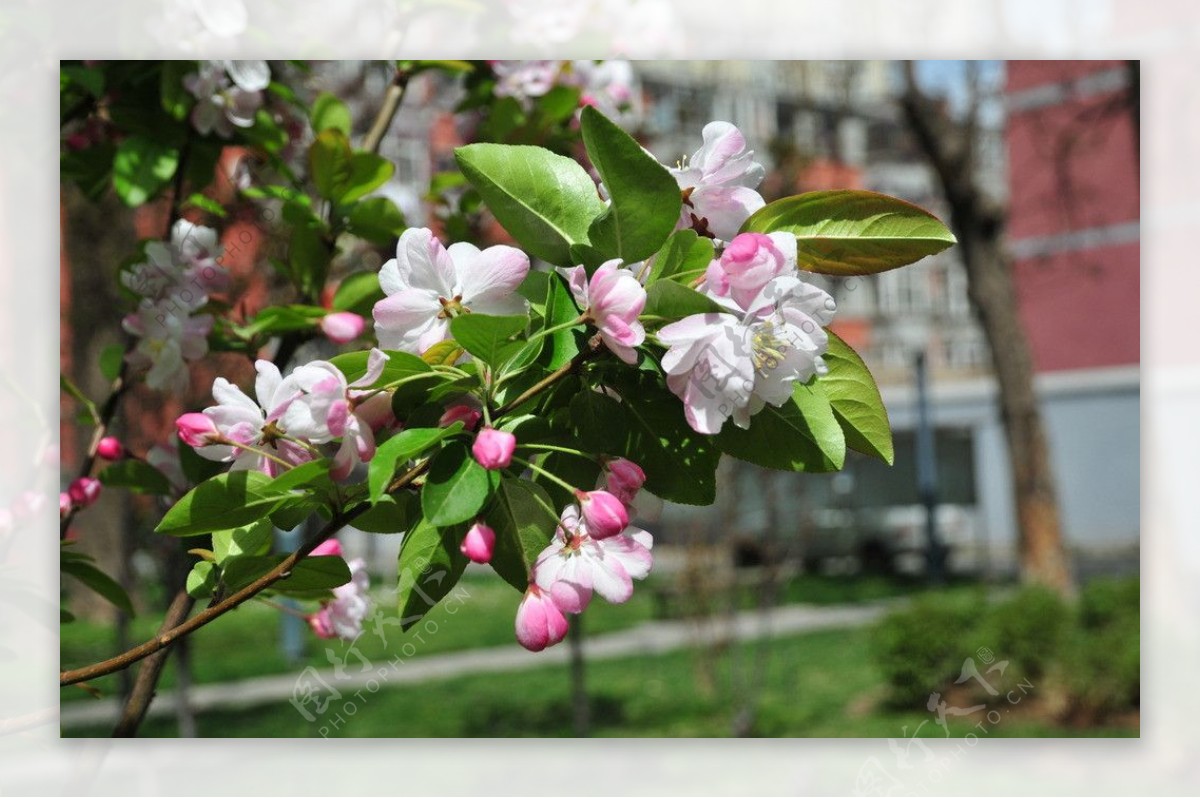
141	167
376	219
430	566
207	204
308	259
228	500
672	300
313	474
456	488
398	366
680	463
523	529
308	575
545	201
368	172
599	420
560	309
329	162
389	515
283	318
802	435
856	402
252	540
100	582
136	476
853	232
110	361
176	100
202	580
645	199
485	336
400	448
358	293
65	384
330	113
684	257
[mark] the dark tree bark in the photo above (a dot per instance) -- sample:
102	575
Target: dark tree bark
978	221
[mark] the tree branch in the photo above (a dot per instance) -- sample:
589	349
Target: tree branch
147	678
387	112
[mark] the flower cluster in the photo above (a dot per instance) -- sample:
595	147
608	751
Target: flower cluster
173	283
228	94
718	183
343	615
594	550
607	85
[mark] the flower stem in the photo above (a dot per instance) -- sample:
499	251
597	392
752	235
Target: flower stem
551	448
583	317
295	613
556	480
260	452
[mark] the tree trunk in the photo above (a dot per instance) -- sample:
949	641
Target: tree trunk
949	146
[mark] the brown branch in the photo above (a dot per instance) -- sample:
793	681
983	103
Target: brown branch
387	112
147	678
551	378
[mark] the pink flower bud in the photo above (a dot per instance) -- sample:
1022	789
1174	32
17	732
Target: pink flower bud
468	415
84	491
64	503
343	327
110	448
196	429
604	513
493	448
749	262
321	625
625	479
539	622
328	548
479	543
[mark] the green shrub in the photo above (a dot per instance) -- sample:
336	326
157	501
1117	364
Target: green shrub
1102	666
1105	602
921	648
1028	630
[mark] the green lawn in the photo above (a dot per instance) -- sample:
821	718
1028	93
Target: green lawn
245	643
822	684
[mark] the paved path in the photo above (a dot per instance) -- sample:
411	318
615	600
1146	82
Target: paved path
655	637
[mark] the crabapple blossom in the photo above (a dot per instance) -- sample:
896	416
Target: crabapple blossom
479	542
725	366
228	94
84	491
343	615
327	548
197	429
328	407
607	85
241	420
576	563
718	183
64	503
612	299
343	327
493	448
427	284
169	337
605	513
186	269
624	478
469	416
540	623
109	448
749	262
524	80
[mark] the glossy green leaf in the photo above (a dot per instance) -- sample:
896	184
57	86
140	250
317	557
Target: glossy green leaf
228	500
430	566
136	476
856	402
328	112
684	257
176	99
329	162
560	309
202	580
456	487
399	365
645	199
802	435
545	201
141	167
392	513
252	540
309	575
400	448
849	232
87	573
376	219
523	528
680	463
672	300
485	336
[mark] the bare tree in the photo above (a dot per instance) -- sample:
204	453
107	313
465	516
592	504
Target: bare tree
951	143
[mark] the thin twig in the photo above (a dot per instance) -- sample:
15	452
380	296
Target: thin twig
147	678
387	112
